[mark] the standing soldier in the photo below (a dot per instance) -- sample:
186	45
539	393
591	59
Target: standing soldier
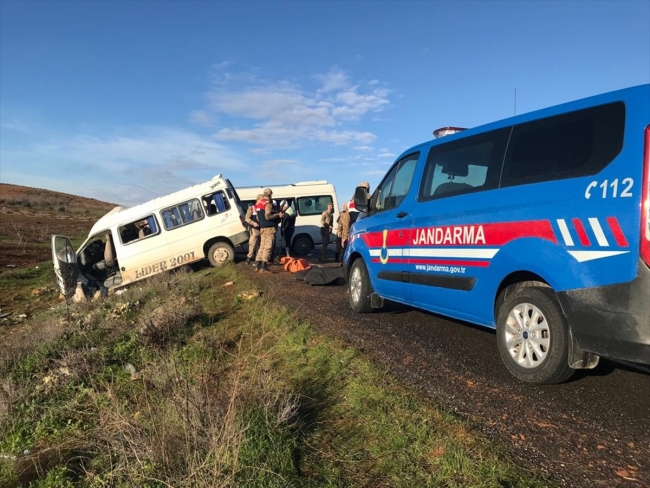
254	229
326	222
344	230
268	220
342	233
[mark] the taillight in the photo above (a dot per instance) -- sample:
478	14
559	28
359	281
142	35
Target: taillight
645	201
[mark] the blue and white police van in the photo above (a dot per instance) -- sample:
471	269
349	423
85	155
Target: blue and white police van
537	225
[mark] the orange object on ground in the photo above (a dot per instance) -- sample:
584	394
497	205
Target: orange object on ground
293	265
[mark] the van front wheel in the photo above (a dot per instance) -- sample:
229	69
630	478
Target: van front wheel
533	336
359	287
221	253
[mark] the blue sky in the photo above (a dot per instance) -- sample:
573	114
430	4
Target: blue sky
125	101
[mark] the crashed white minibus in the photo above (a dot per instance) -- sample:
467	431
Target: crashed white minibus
309	199
204	221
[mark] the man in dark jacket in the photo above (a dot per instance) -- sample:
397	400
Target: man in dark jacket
288	224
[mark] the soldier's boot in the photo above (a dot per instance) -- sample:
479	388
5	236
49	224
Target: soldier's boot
248	260
258	265
264	268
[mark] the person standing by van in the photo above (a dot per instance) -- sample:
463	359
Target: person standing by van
288	224
254	229
268	221
342	233
326	222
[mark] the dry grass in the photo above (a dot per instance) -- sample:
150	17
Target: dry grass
180	382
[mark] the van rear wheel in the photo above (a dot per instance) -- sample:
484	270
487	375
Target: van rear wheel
359	287
221	253
533	336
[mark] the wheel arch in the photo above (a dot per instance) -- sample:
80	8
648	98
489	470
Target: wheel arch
522	278
210	242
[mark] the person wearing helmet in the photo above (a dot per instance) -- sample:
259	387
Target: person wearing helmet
288	224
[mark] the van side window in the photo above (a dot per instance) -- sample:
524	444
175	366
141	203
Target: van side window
138	229
313	205
215	203
182	214
464	166
570	145
395	187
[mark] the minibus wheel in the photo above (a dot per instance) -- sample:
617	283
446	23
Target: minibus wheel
533	336
359	287
221	253
302	245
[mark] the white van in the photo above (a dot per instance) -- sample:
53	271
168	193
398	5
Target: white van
309	199
131	243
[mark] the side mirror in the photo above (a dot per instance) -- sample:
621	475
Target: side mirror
361	199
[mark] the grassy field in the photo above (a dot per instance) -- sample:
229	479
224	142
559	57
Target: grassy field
186	381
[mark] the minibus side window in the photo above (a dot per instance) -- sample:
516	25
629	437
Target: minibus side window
464	166
569	145
138	229
396	184
313	205
215	203
182	214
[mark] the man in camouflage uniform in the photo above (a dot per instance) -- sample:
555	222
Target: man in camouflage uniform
342	233
268	221
326	222
254	230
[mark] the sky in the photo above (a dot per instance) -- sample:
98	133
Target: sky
124	101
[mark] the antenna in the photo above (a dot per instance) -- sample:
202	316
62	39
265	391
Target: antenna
515	101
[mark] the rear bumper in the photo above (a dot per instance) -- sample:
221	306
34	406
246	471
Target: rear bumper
612	321
239	239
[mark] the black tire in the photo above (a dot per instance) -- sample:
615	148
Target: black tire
359	287
220	254
302	245
539	355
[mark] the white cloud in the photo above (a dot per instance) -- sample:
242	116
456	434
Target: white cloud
201	117
120	167
285	114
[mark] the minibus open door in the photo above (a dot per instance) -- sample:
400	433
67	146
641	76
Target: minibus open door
65	265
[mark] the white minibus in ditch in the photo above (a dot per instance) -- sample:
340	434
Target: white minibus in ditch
309	199
204	221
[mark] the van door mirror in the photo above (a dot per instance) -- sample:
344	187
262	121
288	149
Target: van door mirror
361	199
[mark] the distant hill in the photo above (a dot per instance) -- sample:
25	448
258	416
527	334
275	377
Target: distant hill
38	198
29	216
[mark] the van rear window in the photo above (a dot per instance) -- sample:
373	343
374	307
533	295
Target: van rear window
313	205
570	145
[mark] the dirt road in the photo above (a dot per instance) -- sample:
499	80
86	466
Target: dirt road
593	431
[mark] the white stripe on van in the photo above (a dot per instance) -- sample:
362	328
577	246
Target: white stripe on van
439	252
598	231
564	230
391	252
582	256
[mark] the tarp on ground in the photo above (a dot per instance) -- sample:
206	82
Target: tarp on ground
322	276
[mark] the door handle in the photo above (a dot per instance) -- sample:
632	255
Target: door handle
401	215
